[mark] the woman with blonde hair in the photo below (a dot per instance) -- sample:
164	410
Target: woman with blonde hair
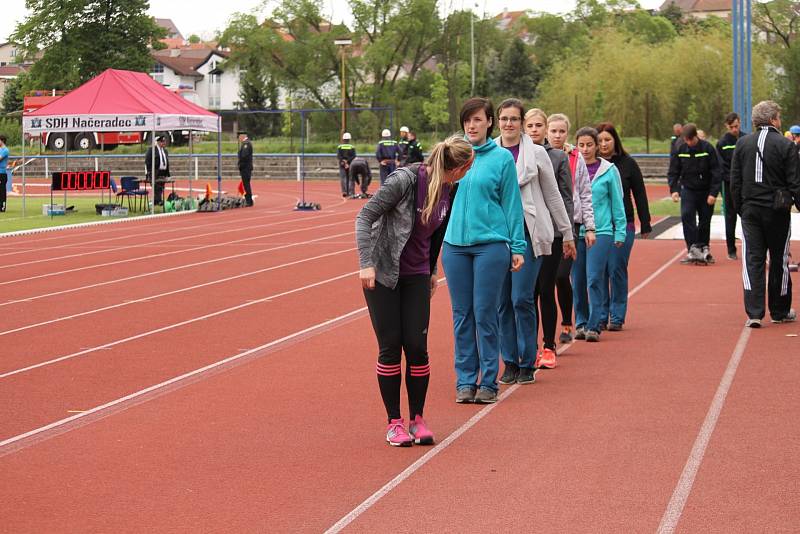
399	233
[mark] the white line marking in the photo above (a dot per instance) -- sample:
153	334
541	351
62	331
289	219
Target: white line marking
175	292
10	441
173	326
170	269
410	470
142	258
676	504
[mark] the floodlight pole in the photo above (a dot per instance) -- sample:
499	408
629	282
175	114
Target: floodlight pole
342	43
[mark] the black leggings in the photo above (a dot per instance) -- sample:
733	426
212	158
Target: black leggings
564	286
400	319
3	184
546	293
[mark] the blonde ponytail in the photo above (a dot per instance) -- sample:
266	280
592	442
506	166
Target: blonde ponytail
453	152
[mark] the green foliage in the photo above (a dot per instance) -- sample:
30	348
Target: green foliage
687	76
13	95
435	107
780	21
516	74
80	39
12	128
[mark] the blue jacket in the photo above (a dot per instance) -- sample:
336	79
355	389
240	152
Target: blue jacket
488	207
609	209
387	150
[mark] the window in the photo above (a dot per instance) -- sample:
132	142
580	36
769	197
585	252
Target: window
158	73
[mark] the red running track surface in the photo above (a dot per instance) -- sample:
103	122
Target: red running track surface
288	434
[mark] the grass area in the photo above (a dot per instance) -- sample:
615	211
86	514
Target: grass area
84	211
666	208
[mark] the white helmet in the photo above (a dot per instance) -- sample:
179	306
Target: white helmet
404	129
386	133
346	136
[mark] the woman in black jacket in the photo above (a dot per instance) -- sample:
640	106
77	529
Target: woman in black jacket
632	185
399	233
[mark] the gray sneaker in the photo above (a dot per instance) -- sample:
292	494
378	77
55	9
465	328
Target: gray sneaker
707	255
788	318
485	396
580	333
753	323
465	395
592	336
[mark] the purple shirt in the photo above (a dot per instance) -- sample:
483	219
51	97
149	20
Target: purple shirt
514	151
416	255
592	168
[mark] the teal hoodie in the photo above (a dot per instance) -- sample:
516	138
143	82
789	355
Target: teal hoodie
488	208
609	210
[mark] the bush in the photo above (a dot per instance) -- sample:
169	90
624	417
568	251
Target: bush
12	129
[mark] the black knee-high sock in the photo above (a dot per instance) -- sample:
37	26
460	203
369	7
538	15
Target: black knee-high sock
417	378
389	378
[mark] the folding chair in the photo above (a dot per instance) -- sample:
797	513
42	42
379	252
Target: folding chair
130	186
119	194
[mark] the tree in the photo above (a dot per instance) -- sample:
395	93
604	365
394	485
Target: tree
13	95
79	39
436	107
780	21
516	73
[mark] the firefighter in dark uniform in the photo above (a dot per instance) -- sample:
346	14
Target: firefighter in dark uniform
765	183
387	154
361	174
402	147
414	150
345	153
245	164
725	147
694	178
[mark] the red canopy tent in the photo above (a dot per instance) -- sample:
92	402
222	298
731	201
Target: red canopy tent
122	101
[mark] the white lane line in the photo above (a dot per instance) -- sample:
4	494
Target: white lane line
175	292
131	244
227	218
176	268
410	470
676	504
173	326
657	272
14	443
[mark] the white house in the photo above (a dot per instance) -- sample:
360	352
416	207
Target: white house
192	68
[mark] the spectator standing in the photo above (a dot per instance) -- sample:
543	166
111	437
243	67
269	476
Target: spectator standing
765	183
160	158
246	166
694	179
675	138
725	147
3	172
485	237
794	132
414	149
402	147
345	153
387	154
398	259
616	307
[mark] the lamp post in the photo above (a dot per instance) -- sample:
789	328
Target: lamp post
341	43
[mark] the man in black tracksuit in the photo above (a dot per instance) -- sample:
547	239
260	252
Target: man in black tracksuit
414	150
245	164
694	179
763	163
725	147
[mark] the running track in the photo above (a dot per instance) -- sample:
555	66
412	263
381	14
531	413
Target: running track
215	373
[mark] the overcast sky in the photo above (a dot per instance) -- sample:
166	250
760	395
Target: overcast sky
197	16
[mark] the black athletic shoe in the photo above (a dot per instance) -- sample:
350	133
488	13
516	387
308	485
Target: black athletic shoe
510	374
526	376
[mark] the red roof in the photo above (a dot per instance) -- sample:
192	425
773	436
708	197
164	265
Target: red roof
117	92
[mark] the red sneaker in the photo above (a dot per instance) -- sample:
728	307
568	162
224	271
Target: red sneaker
546	359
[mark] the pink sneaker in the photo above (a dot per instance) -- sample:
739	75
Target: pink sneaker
396	434
419	431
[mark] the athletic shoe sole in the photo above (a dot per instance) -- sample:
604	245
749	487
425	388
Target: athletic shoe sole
398	444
